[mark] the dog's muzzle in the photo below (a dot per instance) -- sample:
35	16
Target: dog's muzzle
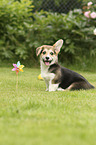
47	61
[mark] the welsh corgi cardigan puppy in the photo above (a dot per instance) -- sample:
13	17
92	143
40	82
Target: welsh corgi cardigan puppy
55	76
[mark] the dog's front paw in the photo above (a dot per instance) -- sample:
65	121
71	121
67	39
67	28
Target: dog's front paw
53	87
60	89
52	90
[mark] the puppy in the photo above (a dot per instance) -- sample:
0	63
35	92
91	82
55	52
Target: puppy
55	76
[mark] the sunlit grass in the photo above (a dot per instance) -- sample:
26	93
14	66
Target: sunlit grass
32	116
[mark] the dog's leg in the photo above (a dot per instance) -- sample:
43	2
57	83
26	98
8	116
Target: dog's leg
47	84
60	89
53	87
80	85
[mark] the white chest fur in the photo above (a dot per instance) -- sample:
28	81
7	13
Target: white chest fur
45	73
48	77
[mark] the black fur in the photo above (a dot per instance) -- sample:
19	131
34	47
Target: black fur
68	77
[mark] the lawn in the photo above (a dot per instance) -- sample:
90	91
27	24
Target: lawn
32	116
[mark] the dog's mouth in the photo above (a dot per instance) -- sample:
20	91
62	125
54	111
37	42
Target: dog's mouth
47	62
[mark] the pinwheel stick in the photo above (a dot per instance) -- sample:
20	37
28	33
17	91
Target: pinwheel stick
17	83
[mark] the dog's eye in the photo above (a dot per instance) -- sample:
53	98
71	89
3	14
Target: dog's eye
44	52
51	53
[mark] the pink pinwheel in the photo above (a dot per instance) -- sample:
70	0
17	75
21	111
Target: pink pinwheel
17	67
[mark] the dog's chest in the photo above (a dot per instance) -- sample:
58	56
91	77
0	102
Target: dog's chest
46	74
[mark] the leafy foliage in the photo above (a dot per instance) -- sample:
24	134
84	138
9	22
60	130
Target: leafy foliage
22	32
13	18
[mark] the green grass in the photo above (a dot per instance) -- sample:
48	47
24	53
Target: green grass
32	116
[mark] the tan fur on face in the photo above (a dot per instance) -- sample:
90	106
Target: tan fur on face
56	47
48	51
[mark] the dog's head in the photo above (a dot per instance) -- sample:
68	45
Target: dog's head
49	54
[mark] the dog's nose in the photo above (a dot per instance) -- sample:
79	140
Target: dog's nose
47	57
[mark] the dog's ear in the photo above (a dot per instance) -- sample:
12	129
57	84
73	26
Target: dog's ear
38	50
58	45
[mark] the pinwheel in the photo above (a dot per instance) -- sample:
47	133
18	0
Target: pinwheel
17	68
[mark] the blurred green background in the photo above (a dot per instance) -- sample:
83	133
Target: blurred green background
27	24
